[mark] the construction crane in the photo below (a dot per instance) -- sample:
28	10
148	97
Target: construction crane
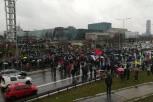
10	10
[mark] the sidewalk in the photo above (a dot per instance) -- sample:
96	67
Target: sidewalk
128	94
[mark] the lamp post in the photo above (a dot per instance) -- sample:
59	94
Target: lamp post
16	39
27	41
123	19
16	43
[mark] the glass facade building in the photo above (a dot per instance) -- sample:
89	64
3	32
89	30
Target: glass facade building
58	33
100	26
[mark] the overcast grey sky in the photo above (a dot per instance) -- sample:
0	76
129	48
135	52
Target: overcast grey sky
44	14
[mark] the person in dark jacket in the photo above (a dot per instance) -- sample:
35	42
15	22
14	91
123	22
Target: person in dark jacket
0	78
90	68
136	75
128	72
108	82
152	69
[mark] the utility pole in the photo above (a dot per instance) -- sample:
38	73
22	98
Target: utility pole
123	28
27	41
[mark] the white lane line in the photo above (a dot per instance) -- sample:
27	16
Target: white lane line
56	82
59	81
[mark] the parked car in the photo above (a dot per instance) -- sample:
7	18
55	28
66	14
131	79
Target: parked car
18	90
10	79
12	71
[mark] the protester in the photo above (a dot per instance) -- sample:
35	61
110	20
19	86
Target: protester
73	59
128	73
108	82
152	69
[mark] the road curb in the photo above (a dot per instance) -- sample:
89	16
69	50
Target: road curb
139	98
113	91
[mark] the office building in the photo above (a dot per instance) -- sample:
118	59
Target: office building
100	26
148	27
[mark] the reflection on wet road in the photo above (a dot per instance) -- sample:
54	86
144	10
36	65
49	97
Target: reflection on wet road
46	81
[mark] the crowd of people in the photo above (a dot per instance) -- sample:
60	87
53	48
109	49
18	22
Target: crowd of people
80	60
76	58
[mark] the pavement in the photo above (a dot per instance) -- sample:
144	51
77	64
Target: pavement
128	94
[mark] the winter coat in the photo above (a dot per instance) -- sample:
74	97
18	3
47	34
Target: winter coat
108	80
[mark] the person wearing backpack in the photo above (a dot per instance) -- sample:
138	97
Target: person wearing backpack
108	82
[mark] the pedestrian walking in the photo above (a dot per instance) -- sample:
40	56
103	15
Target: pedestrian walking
90	68
121	75
148	70
54	71
128	72
95	73
143	66
152	69
0	78
136	75
108	82
73	72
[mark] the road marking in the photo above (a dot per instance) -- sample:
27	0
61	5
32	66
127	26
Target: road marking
58	81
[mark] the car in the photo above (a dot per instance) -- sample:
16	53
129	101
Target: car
18	90
12	71
10	79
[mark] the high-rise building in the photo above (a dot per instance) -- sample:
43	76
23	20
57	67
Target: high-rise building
148	27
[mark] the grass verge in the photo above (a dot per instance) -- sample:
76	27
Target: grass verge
95	88
146	99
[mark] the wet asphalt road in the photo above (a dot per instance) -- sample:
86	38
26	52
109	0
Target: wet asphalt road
46	81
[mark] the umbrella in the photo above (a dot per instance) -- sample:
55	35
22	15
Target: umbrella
120	69
3	60
33	61
101	57
137	63
94	57
5	63
16	62
142	57
31	56
25	57
130	63
136	69
116	58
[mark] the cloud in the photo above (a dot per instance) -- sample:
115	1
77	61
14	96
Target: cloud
43	14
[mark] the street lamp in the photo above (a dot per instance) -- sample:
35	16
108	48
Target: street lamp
27	41
123	19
